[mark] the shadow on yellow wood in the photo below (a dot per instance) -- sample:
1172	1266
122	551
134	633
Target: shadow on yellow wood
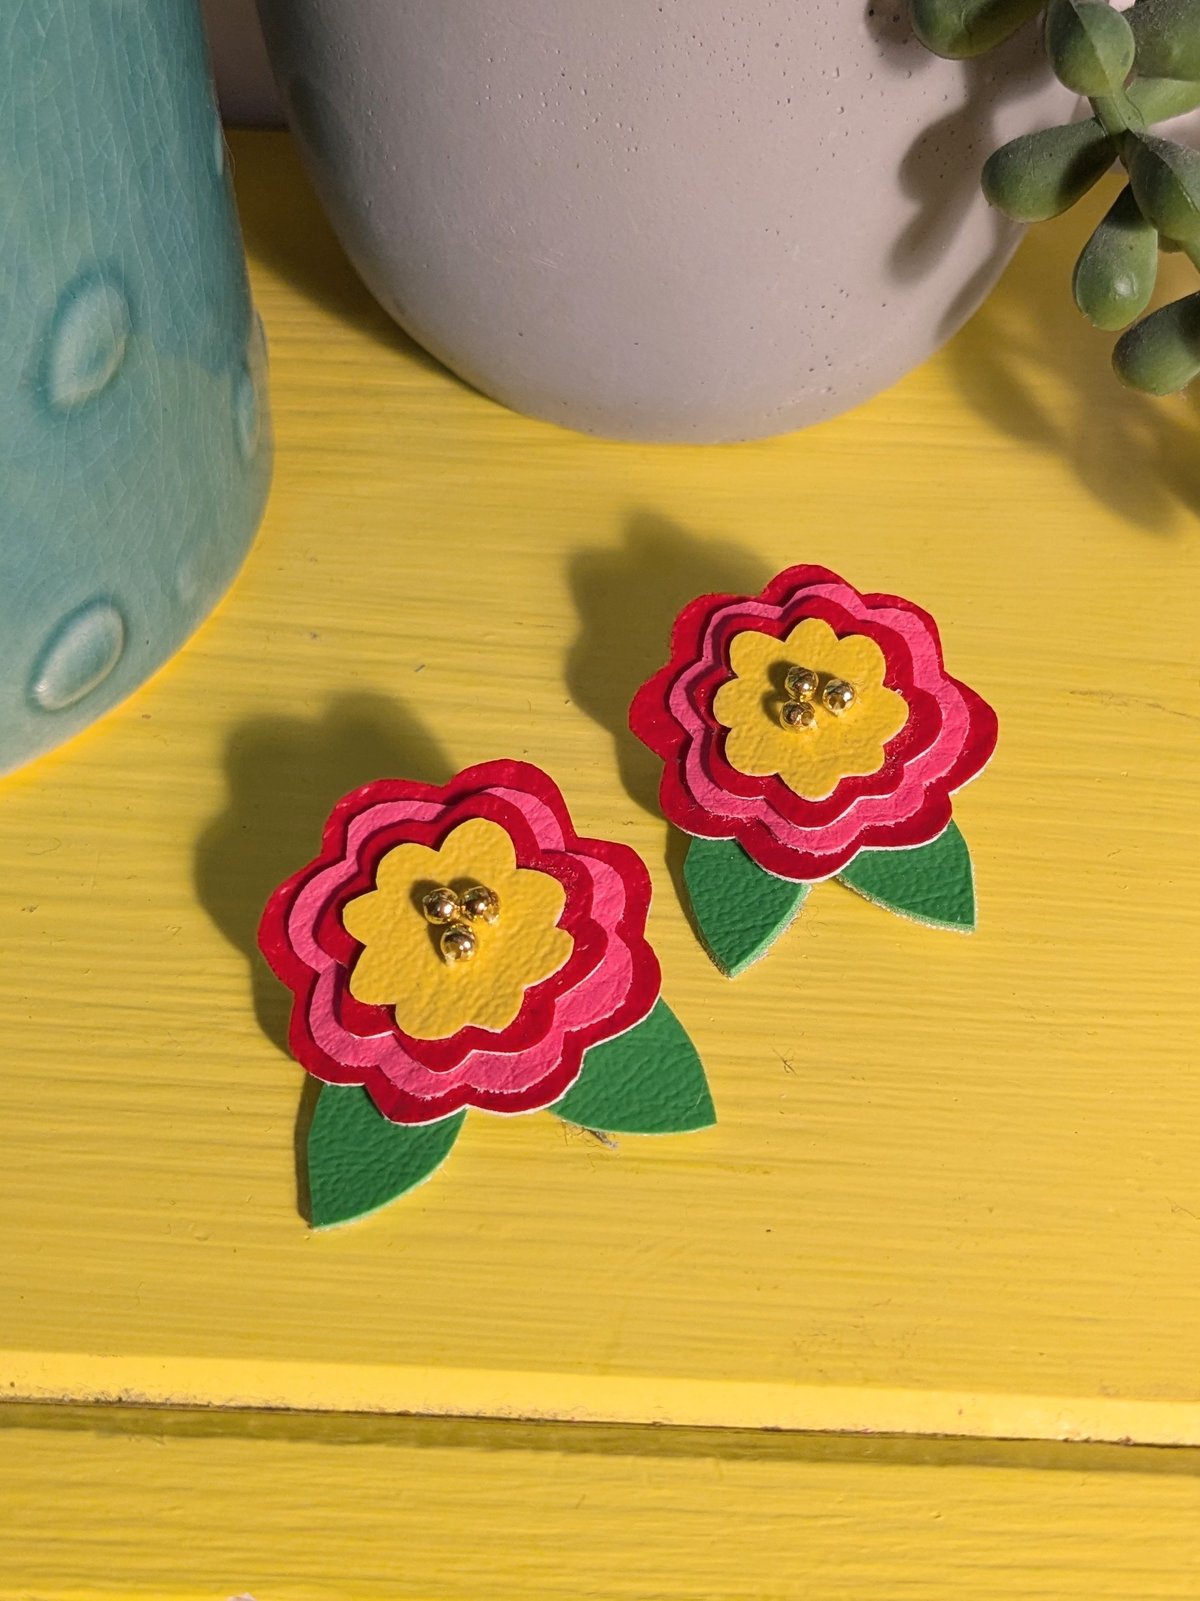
962	1172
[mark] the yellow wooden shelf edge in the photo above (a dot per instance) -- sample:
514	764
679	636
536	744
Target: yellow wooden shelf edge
108	1503
47	1377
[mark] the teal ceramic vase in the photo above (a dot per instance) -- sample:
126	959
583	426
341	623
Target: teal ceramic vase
134	439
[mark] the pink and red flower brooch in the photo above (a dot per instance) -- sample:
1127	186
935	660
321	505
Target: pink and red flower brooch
812	732
461	948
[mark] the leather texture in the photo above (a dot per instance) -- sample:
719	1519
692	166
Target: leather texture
401	966
811	761
648	1081
358	1161
739	910
933	884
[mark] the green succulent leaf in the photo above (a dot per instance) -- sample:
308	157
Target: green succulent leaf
1090	46
1161	354
1165	177
1167	36
1138	66
1041	174
1157	99
960	28
1115	273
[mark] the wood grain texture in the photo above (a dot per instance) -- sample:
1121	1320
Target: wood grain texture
963	1172
196	1508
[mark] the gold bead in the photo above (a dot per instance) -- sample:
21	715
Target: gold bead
801	683
797	714
838	696
481	905
458	944
440	906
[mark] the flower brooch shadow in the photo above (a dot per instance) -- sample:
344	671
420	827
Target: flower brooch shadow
812	732
461	947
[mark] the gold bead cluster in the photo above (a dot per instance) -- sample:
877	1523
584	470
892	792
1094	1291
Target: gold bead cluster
454	914
803	687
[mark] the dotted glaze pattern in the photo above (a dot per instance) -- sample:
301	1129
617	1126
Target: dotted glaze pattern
134	435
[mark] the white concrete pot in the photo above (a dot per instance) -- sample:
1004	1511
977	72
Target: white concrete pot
659	219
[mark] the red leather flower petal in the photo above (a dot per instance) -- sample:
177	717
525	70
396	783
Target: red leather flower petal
947	739
609	983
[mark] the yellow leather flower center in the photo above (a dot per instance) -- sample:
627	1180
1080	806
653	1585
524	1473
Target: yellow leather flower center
401	963
810	761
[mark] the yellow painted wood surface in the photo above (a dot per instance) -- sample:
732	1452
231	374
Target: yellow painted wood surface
956	1182
181	1507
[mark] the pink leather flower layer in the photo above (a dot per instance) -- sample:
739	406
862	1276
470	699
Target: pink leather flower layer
949	734
607	985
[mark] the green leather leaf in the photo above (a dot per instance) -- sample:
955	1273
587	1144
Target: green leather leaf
647	1081
740	910
932	884
358	1161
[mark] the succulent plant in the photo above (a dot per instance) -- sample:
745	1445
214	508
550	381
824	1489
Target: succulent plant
1135	67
